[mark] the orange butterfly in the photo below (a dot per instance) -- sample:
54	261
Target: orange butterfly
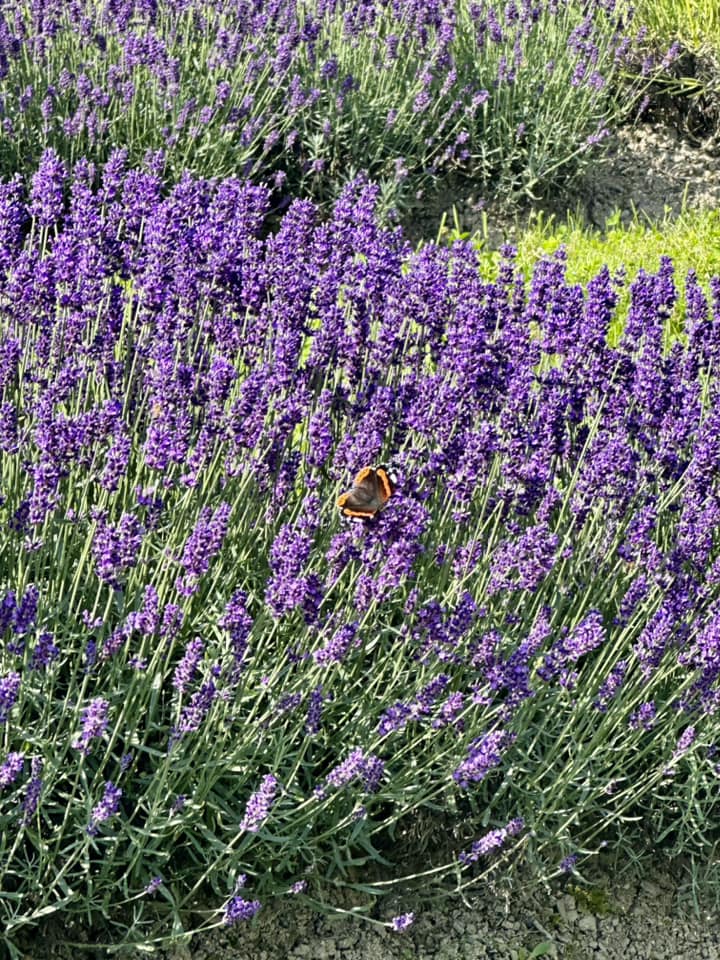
371	490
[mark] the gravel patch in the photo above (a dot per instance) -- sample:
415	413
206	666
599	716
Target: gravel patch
654	170
651	170
630	919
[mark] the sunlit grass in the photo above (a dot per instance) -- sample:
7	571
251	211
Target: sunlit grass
692	240
695	22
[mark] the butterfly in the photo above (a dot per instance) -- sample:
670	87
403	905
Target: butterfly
371	490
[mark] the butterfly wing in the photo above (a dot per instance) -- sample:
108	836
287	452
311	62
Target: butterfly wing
365	498
385	486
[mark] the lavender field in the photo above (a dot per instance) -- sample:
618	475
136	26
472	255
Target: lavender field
216	691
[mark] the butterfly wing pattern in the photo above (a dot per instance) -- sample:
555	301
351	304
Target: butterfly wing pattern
371	490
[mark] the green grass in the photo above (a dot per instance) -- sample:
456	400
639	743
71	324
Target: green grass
692	240
696	23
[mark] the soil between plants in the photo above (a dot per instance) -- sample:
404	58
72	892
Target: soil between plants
612	919
654	171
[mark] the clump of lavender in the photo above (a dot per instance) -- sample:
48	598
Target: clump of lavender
512	94
529	625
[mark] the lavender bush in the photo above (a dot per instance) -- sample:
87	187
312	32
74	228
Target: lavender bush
514	95
215	691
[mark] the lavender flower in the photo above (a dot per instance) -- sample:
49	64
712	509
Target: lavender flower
46	196
196	711
146	621
644	716
485	753
26	611
524	564
492	840
187	667
45	652
238	623
685	741
238	909
94	724
587	636
369	769
33	791
259	804
314	713
202	546
11	768
116	548
8	607
335	650
288	587
609	689
106	808
154	885
9	689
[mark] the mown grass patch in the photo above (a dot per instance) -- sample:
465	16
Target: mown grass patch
696	23
691	240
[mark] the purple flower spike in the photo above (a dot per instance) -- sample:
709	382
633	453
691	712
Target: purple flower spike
685	741
11	769
202	546
34	789
492	840
238	909
153	885
45	652
107	807
9	689
484	754
195	712
187	667
369	769
116	548
259	804
643	717
46	195
94	724
238	623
